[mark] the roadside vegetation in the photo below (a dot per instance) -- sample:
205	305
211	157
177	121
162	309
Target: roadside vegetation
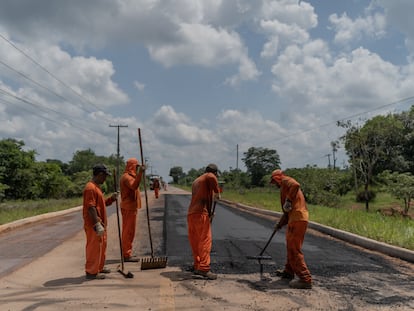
379	224
15	210
371	195
384	223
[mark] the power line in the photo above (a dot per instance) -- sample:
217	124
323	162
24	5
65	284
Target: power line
342	119
38	84
25	76
38	106
48	72
33	112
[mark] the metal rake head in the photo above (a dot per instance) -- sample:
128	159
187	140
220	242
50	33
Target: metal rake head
153	262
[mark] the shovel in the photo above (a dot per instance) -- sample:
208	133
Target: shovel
149	262
128	274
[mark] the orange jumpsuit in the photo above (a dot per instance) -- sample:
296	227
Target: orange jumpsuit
130	203
198	219
95	245
156	186
297	221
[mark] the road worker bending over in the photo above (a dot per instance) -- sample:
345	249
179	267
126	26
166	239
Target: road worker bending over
296	216
130	204
205	190
95	222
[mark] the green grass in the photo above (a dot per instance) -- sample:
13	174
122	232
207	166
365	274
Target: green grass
350	216
396	231
14	210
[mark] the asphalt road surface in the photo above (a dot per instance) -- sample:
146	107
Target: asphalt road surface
350	273
22	246
41	268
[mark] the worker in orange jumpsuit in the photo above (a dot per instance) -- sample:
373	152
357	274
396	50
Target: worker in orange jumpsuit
205	190
95	222
130	204
296	216
156	186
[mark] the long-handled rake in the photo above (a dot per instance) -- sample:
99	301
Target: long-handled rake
128	274
261	257
149	262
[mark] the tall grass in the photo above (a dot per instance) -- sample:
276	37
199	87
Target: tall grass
14	210
350	216
393	230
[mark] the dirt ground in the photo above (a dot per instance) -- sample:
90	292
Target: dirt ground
56	281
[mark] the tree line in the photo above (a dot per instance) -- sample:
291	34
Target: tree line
380	152
24	178
381	158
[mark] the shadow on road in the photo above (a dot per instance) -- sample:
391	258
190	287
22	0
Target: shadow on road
176	276
65	281
265	284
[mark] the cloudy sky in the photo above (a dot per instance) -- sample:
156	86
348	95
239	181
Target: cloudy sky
203	79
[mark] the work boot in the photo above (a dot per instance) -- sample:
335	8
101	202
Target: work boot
106	270
97	276
300	284
284	275
206	274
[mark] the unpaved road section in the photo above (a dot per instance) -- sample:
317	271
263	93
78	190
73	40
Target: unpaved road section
345	277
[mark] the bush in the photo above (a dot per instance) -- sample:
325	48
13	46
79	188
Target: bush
324	198
322	186
360	196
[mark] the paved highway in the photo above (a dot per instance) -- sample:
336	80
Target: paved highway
49	255
336	266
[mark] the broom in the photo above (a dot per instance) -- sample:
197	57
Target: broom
149	262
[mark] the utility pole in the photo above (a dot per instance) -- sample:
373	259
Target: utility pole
329	159
237	167
335	146
117	150
237	158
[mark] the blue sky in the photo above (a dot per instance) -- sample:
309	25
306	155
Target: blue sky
200	77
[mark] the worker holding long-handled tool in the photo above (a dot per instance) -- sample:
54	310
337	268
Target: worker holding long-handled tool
130	204
128	275
149	262
95	222
295	215
205	190
261	256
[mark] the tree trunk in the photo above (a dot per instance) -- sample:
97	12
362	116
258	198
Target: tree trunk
407	205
